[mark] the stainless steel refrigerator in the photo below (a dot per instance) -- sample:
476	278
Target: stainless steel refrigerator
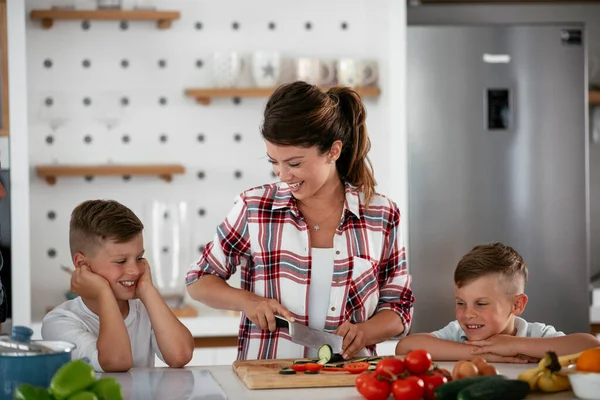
498	151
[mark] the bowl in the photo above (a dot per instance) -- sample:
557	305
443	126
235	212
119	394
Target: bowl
586	385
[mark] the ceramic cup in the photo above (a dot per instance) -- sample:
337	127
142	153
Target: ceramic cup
355	73
227	68
315	71
266	68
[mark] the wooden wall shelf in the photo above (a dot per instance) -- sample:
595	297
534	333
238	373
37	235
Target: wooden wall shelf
594	97
204	96
51	172
163	18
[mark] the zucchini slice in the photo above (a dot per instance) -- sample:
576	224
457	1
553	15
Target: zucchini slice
305	361
287	371
311	372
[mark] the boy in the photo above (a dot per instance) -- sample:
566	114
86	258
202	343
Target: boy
489	283
119	320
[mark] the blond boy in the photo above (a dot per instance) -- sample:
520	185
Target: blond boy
489	284
119	320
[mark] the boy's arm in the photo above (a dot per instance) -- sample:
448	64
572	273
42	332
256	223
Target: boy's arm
174	340
113	344
447	350
536	347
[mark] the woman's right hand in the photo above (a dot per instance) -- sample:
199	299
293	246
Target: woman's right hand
261	311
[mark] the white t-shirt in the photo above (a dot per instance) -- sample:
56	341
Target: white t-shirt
73	322
319	290
454	332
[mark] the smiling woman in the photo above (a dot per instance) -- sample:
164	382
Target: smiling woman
321	247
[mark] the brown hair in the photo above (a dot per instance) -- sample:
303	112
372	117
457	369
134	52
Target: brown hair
493	258
94	221
300	114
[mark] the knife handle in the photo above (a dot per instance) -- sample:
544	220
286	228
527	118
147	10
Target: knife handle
281	323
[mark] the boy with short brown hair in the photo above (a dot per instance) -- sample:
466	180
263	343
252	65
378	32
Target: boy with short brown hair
489	285
119	320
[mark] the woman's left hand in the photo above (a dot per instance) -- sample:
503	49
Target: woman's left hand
354	338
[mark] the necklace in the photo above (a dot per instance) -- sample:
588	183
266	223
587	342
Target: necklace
316	227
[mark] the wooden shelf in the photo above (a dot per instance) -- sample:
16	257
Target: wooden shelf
163	18
204	96
594	97
51	172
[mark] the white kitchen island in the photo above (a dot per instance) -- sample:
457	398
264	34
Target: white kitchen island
220	383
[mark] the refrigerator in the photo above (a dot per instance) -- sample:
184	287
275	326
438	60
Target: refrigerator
498	151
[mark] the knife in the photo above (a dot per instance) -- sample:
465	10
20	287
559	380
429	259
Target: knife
309	337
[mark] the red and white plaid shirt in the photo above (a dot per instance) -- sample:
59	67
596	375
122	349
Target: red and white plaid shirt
267	238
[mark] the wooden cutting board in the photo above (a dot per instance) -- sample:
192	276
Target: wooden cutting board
264	374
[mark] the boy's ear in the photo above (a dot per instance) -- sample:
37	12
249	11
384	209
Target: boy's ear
79	260
519	304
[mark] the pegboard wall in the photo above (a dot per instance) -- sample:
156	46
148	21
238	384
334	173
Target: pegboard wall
78	65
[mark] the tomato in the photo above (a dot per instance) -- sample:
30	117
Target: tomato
389	366
299	367
357	367
371	387
431	381
313	367
417	361
411	388
443	372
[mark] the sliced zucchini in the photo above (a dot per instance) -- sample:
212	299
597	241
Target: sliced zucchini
305	361
287	371
334	365
371	367
311	372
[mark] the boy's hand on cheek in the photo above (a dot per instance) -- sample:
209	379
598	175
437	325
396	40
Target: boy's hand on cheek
88	284
145	281
502	345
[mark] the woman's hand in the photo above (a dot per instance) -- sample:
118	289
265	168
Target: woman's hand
354	338
262	311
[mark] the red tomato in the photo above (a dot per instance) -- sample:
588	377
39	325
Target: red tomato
299	367
389	366
371	387
411	388
357	367
417	361
443	372
431	381
313	367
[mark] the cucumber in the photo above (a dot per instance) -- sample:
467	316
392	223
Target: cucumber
450	390
509	389
334	365
371	367
311	372
287	371
326	355
305	361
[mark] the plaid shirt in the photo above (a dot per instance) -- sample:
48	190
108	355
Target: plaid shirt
267	238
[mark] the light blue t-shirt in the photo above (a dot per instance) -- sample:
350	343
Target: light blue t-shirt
454	332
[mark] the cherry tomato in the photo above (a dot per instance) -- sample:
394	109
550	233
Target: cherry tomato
313	367
357	367
371	387
389	366
411	388
443	372
417	361
431	381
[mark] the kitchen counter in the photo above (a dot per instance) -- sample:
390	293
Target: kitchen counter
220	383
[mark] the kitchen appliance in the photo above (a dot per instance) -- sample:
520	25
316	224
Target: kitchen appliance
498	151
264	374
26	361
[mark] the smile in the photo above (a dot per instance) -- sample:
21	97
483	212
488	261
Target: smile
474	326
127	283
295	185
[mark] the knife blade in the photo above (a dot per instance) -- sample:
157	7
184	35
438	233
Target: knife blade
309	337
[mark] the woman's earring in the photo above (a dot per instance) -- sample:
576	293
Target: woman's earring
332	162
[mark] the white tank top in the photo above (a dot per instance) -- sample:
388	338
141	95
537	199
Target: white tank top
321	276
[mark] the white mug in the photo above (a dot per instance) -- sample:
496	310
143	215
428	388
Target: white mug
266	68
313	71
227	68
356	73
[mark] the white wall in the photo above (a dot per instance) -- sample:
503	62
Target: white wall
373	32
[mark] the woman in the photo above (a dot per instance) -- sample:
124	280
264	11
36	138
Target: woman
321	247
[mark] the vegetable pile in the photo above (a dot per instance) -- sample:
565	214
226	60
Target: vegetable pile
75	380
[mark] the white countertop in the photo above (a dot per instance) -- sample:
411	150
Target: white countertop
220	382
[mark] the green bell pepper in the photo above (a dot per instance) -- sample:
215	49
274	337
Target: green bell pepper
30	392
71	378
107	389
85	395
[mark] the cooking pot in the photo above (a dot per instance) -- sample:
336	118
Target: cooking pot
25	361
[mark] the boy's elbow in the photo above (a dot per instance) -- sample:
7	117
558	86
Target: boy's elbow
115	363
180	359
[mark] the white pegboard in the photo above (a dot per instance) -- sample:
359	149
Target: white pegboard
70	63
